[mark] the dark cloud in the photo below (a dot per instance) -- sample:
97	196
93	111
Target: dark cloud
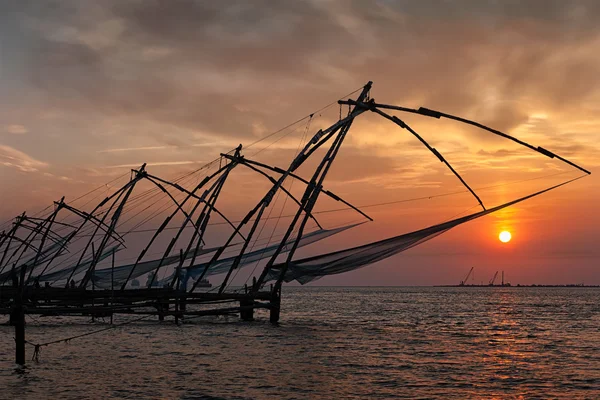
218	58
555	11
225	69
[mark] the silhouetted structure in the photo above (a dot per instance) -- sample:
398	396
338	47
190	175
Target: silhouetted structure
72	251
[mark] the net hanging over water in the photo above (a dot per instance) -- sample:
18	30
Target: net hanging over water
312	268
102	278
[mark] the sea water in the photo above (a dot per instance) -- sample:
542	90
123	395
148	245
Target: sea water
331	343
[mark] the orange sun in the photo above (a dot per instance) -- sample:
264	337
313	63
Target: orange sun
505	236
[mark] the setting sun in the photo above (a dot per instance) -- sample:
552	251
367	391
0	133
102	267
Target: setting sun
505	236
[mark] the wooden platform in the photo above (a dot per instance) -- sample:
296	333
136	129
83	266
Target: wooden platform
158	301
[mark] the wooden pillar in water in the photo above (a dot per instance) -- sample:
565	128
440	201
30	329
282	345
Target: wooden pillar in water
112	287
177	308
177	281
19	321
93	286
160	309
247	309
275	305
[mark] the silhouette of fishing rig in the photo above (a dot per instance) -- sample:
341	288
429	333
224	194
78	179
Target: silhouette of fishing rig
76	250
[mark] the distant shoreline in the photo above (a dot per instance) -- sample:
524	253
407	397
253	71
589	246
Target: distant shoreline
525	286
447	286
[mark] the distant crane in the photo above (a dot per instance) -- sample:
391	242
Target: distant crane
493	279
463	282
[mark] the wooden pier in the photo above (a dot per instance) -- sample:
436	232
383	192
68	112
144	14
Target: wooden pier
16	302
101	303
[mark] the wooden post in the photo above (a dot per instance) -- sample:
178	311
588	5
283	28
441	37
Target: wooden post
275	305
177	284
93	286
247	309
112	287
19	321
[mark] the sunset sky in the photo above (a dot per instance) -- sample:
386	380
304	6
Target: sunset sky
89	90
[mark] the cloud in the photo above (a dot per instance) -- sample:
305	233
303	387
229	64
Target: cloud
16	129
10	157
167	74
155	164
59	177
265	58
503	153
122	150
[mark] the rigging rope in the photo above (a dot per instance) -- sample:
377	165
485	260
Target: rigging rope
386	203
38	346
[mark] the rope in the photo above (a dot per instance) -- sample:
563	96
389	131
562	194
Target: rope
37	346
303	118
382	204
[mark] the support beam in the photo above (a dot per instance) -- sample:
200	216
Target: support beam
41	247
312	144
168	219
312	191
301	179
118	195
247	309
19	322
200	198
205	218
139	175
275	306
287	192
437	114
403	125
10	235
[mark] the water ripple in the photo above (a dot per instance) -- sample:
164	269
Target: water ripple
334	343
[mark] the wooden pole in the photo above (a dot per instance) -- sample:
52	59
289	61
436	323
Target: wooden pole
19	333
93	285
200	185
275	305
314	187
177	284
44	237
247	309
19	321
112	286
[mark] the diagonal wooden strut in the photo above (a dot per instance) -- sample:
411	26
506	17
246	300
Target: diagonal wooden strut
168	219
287	192
403	125
312	191
438	114
301	179
321	137
139	175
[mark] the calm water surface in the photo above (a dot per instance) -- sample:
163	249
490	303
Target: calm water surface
334	343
